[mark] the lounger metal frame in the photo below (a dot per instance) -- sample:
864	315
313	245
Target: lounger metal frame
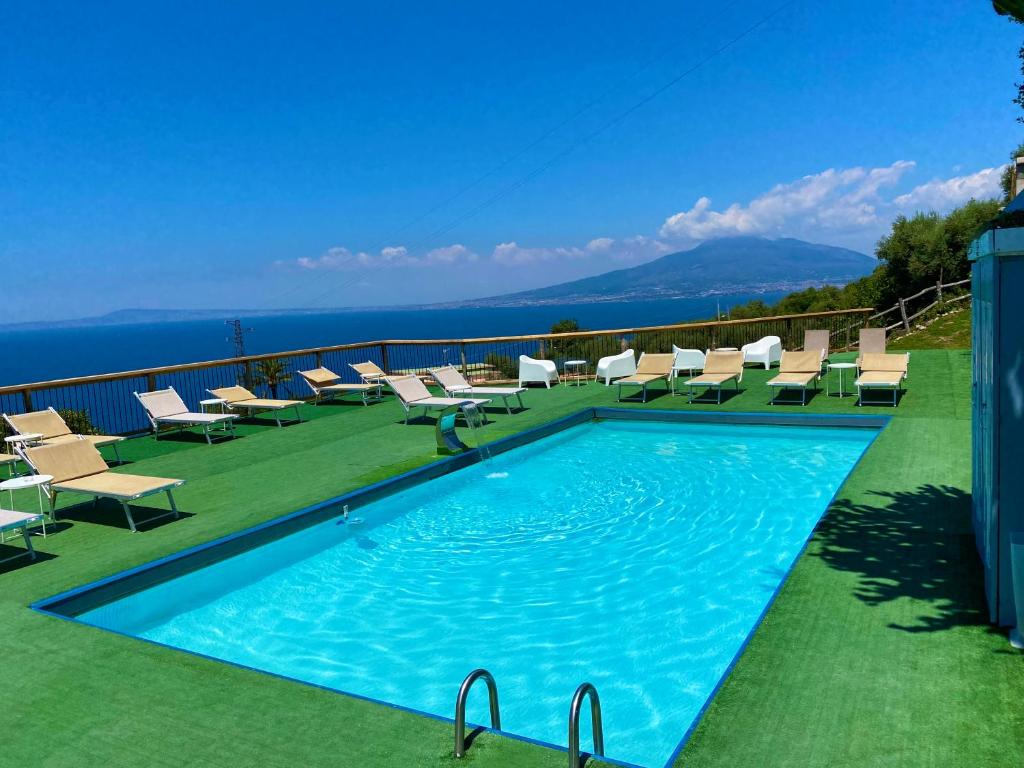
716	387
227	423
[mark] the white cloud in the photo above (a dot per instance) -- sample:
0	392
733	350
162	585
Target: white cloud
600	245
513	254
831	200
944	194
339	258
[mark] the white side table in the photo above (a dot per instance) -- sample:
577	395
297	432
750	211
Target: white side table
212	402
25	441
29	481
838	367
575	370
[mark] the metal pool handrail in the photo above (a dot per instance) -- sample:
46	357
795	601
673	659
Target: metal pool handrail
460	707
574	723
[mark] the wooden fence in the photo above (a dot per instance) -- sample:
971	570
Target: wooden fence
108	400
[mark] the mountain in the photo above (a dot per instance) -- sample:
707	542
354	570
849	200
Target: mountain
727	265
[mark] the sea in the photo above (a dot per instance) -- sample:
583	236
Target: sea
43	354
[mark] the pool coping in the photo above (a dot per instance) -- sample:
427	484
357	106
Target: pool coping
121	584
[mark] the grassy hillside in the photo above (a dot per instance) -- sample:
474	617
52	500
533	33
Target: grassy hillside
950	331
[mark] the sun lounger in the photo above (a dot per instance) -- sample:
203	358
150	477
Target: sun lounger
240	398
719	369
55	430
797	370
77	467
369	372
882	371
871	341
818	340
327	384
12	521
454	384
165	406
649	368
413	393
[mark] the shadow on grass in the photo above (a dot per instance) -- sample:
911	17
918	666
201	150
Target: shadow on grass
111	513
10	549
910	544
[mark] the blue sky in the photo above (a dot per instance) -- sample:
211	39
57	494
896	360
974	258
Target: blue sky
260	155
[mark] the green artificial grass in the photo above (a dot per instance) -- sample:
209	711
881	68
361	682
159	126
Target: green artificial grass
876	651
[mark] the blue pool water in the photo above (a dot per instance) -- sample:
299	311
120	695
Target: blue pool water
635	555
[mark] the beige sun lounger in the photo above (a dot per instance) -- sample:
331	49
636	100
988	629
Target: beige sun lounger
797	370
882	371
719	369
871	341
77	467
413	393
165	406
55	430
240	398
454	384
369	372
818	340
13	521
327	384
650	368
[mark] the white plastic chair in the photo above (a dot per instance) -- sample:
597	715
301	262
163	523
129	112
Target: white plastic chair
767	350
543	371
616	366
688	360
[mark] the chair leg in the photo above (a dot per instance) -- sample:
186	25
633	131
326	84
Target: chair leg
170	500
519	397
507	408
117	454
128	515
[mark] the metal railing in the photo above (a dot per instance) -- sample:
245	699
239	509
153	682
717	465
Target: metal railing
597	728
460	707
107	398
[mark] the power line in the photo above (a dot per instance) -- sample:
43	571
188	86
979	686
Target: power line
565	152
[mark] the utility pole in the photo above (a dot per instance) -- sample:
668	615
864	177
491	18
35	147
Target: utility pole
237	338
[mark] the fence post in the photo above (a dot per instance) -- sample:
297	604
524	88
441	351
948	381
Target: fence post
384	358
462	359
903	315
26	397
938	292
847	349
151	382
247	374
540	350
319	359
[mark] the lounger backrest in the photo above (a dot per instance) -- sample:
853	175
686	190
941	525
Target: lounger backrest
724	362
885	362
367	369
449	377
47	423
808	361
320	377
872	340
66	461
655	365
817	341
409	387
163	402
233	394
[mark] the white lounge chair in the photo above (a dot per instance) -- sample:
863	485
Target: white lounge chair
882	371
165	406
544	371
369	372
454	384
719	369
240	398
413	393
797	370
54	430
616	366
688	360
651	368
767	350
77	467
13	521
327	384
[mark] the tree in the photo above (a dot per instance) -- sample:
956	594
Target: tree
272	372
1006	180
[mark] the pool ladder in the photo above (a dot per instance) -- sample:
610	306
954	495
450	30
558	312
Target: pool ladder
585	690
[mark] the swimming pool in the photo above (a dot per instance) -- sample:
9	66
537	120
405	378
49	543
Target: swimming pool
635	555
